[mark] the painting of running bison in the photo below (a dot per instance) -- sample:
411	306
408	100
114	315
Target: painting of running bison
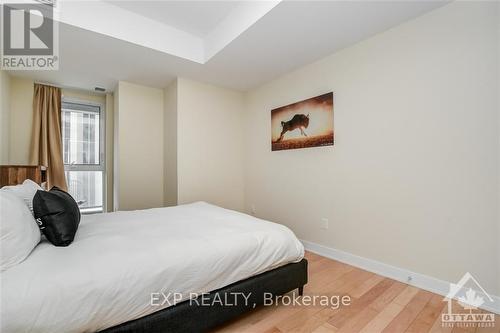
303	124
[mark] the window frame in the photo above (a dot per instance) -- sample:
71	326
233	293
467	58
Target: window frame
102	146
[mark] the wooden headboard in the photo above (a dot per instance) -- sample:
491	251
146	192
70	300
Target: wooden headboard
16	174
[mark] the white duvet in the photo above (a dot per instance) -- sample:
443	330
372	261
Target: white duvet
108	274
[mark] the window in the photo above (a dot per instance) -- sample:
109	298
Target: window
83	153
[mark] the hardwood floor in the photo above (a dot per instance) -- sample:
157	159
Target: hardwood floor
378	304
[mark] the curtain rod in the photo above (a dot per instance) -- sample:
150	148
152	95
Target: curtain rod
71	88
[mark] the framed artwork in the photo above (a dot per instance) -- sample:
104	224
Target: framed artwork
304	124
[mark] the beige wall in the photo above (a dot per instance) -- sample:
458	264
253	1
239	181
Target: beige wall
109	150
4	117
209	144
170	145
21	115
139	146
21	119
412	180
498	108
116	150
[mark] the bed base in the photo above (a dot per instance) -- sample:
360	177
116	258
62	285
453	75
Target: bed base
192	317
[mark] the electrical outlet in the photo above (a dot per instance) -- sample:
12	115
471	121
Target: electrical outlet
324	223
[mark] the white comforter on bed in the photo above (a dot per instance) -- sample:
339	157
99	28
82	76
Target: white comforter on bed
107	275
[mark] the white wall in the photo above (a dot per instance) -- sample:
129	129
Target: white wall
139	146
4	117
170	145
209	144
413	177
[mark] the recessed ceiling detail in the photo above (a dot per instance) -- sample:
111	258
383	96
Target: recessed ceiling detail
238	45
198	18
193	30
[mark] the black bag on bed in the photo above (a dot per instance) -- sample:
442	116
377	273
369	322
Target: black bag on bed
57	215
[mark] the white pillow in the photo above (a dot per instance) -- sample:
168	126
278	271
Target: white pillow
19	232
25	191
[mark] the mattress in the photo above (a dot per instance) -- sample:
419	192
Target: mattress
119	260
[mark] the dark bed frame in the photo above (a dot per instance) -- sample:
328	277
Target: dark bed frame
194	317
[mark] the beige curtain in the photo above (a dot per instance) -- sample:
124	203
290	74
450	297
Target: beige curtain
46	142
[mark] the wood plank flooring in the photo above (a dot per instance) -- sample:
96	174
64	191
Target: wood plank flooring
378	304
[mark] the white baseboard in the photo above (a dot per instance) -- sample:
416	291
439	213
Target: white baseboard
418	280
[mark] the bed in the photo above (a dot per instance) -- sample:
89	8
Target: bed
140	271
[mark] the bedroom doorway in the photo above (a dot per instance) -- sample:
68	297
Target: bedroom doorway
83	135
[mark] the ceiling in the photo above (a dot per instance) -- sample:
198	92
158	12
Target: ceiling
195	17
242	46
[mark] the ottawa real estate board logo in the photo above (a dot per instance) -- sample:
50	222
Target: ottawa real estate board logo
464	302
29	36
